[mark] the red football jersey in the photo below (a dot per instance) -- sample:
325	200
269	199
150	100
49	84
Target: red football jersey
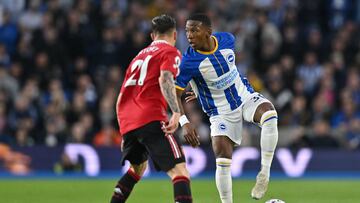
141	98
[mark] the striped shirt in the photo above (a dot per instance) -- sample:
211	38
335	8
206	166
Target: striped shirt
214	77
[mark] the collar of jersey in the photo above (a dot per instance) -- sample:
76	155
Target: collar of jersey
159	41
213	51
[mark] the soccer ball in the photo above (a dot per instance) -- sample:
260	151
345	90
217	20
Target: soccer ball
274	201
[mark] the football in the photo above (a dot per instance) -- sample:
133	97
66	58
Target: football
274	201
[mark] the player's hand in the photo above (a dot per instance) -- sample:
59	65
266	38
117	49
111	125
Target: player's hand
173	124
190	96
191	135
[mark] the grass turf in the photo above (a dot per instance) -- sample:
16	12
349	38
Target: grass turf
160	191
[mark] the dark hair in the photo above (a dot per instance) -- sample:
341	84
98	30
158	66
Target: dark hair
162	24
202	18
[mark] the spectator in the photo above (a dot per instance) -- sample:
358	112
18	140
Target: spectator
77	134
310	72
5	59
8	84
352	136
348	111
8	33
277	92
322	137
62	62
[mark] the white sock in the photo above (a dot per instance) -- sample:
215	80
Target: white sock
223	179
269	138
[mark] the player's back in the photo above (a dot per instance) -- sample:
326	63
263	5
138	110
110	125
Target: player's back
142	100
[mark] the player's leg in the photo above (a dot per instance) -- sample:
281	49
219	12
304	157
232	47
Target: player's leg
259	110
225	133
223	149
127	182
167	156
181	182
266	116
136	153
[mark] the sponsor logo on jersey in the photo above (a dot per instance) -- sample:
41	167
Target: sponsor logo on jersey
225	80
230	58
222	126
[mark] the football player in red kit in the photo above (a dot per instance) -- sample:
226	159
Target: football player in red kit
142	114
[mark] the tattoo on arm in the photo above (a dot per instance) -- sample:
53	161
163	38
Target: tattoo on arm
167	86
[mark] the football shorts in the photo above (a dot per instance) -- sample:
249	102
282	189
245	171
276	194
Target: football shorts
230	125
149	140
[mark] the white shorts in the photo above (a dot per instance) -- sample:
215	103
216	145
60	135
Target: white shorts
230	124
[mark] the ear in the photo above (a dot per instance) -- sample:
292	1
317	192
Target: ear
209	31
152	35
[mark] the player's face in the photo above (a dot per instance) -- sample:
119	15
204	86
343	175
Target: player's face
197	34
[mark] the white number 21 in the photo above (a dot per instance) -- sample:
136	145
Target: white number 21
143	65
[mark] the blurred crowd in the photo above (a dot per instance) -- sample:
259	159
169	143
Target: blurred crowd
62	63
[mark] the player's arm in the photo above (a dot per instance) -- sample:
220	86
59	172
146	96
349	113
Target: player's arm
117	116
190	133
179	93
117	104
167	86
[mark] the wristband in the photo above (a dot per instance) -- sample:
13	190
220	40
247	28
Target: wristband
183	120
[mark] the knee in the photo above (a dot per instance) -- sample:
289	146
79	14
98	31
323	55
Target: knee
222	152
269	117
261	110
222	147
139	169
179	170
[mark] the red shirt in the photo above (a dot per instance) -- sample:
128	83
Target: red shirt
142	101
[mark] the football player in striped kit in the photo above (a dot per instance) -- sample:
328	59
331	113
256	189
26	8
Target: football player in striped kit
227	98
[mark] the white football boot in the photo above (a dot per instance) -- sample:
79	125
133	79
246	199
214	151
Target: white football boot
261	185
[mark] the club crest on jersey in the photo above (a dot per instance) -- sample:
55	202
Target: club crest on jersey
222	127
230	58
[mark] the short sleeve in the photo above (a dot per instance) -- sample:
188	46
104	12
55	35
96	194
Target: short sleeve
185	75
231	40
170	61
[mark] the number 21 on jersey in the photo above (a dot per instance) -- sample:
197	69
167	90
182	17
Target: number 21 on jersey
143	65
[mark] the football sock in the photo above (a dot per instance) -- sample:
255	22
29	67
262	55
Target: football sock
269	138
223	179
124	187
182	191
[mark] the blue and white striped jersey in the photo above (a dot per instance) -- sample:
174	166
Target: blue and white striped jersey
214	76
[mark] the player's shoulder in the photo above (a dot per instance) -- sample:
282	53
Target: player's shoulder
224	37
167	49
191	54
190	57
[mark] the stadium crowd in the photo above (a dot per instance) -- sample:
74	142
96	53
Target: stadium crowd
62	63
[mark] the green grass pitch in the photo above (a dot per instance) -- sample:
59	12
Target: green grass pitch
160	191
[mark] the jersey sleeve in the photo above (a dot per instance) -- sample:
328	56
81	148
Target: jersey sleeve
226	39
230	38
185	75
171	59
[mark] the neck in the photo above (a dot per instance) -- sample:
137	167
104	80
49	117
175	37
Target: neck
163	38
209	45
